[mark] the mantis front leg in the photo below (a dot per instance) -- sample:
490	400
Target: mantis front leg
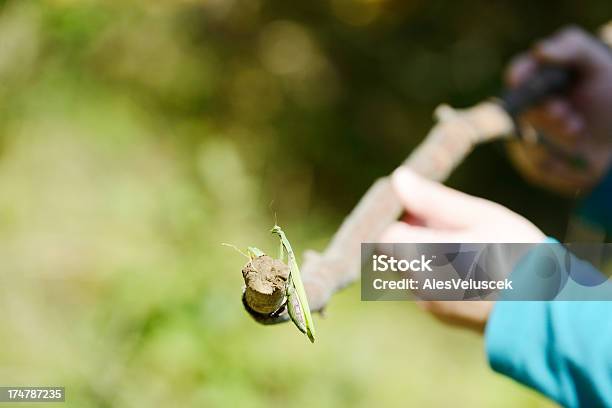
297	302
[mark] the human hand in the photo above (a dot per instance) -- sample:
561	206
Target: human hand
579	121
438	214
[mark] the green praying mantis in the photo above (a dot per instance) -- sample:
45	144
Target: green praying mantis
295	294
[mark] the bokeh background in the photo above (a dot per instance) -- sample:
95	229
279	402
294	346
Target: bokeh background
137	136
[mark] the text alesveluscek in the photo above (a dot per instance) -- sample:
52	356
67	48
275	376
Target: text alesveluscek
423	264
438	284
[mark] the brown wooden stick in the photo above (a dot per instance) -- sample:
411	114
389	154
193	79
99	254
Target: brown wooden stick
446	145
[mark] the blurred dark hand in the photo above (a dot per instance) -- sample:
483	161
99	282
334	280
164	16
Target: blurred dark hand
580	121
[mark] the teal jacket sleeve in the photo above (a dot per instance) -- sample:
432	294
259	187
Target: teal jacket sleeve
595	208
562	349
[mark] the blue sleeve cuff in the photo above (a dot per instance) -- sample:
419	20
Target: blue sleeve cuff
510	329
516	331
559	348
517	345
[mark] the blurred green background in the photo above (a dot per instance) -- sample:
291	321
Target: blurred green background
137	136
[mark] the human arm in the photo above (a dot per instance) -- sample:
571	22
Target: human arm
558	348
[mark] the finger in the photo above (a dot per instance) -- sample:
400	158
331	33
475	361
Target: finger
558	108
558	120
520	69
542	168
572	179
436	205
565	117
401	232
573	47
572	120
468	314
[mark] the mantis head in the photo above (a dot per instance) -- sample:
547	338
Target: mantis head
276	230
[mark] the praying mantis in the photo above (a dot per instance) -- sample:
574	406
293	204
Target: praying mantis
296	300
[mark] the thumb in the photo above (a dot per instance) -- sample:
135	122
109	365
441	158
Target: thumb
573	47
